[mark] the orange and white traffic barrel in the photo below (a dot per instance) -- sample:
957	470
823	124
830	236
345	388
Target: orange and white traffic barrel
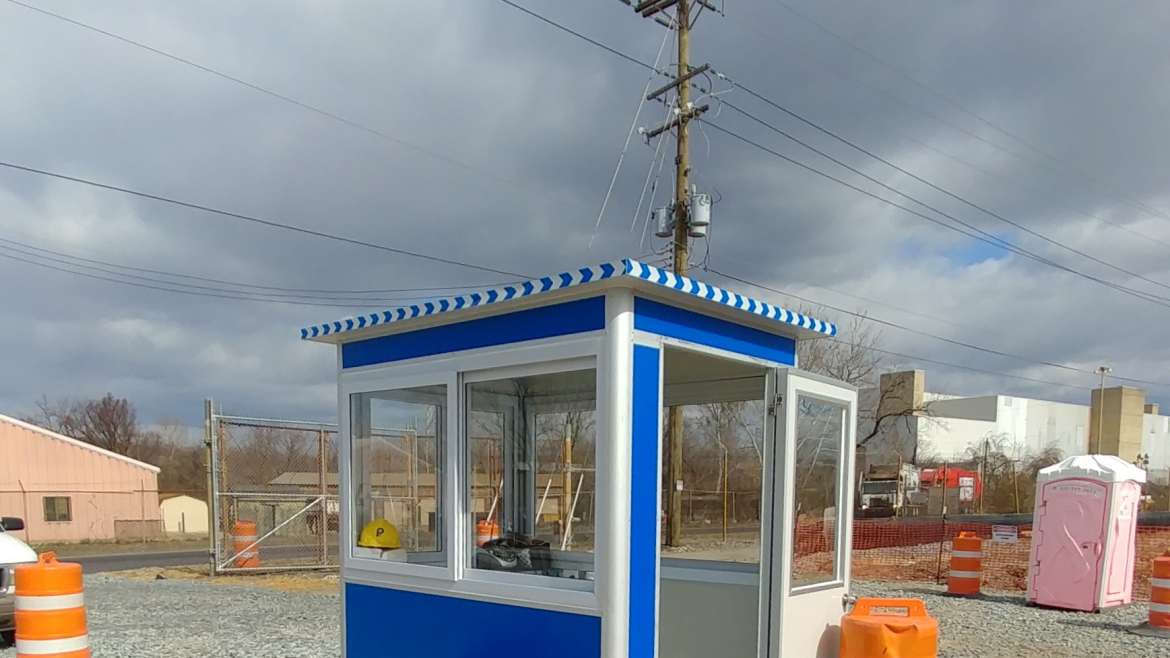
486	531
50	610
966	575
244	545
1159	622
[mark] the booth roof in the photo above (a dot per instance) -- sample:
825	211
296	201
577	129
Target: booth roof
626	269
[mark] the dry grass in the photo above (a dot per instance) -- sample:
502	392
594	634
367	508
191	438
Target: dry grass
300	581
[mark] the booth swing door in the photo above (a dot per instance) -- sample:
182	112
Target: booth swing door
813	422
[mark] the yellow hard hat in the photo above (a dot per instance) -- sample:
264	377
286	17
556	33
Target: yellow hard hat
379	533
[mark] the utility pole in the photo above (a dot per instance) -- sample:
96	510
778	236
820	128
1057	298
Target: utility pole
680	254
1101	370
684	113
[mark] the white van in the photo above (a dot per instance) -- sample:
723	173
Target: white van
12	552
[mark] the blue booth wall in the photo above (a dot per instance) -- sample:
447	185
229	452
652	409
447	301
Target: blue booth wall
674	322
389	623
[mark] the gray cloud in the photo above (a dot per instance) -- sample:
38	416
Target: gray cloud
539	118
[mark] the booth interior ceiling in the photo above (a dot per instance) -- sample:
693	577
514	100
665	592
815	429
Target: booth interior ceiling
626	268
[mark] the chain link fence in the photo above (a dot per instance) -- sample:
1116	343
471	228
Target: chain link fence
274	493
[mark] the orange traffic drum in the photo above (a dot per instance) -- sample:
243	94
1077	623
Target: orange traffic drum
50	610
244	545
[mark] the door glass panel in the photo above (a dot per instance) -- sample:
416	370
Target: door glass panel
820	435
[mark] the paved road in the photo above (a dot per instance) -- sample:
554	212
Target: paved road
126	561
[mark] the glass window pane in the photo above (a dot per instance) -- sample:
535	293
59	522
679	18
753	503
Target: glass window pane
397	472
531	446
820	435
723	469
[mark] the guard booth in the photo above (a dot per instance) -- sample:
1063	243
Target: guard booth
502	466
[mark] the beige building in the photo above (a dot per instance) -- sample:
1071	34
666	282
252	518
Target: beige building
919	424
1121	428
68	490
183	515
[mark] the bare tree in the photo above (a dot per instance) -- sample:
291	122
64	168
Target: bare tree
852	358
110	423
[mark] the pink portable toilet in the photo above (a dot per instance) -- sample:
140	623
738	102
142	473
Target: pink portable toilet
1083	533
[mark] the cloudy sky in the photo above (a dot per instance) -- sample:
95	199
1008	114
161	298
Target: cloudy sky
498	138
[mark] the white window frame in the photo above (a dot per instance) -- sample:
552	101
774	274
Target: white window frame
391	383
509	372
452	370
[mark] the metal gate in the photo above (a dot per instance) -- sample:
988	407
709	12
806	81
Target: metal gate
274	502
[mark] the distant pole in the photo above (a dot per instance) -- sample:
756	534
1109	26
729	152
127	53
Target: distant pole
1016	485
942	535
323	484
983	473
1101	370
209	458
566	477
725	488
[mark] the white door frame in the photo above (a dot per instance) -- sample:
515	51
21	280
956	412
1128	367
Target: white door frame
803	621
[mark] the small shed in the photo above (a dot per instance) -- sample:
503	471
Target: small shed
463	418
1084	533
183	515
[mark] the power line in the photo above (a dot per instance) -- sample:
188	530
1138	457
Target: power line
947	364
973	232
179	291
986	237
116	270
266	91
863	191
942	120
913	175
258	220
918	332
1054	163
617	169
238	284
579	35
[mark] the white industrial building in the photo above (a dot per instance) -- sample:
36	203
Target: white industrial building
920	424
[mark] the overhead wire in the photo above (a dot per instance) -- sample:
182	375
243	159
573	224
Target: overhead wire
861	190
968	229
316	109
164	288
942	120
861	149
948	364
974	232
733	278
649	175
257	220
239	284
926	334
629	136
1053	163
119	270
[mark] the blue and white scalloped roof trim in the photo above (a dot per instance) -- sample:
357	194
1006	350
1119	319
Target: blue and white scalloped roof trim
571	279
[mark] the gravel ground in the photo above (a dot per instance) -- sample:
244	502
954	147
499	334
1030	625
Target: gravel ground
193	619
173	618
1000	625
